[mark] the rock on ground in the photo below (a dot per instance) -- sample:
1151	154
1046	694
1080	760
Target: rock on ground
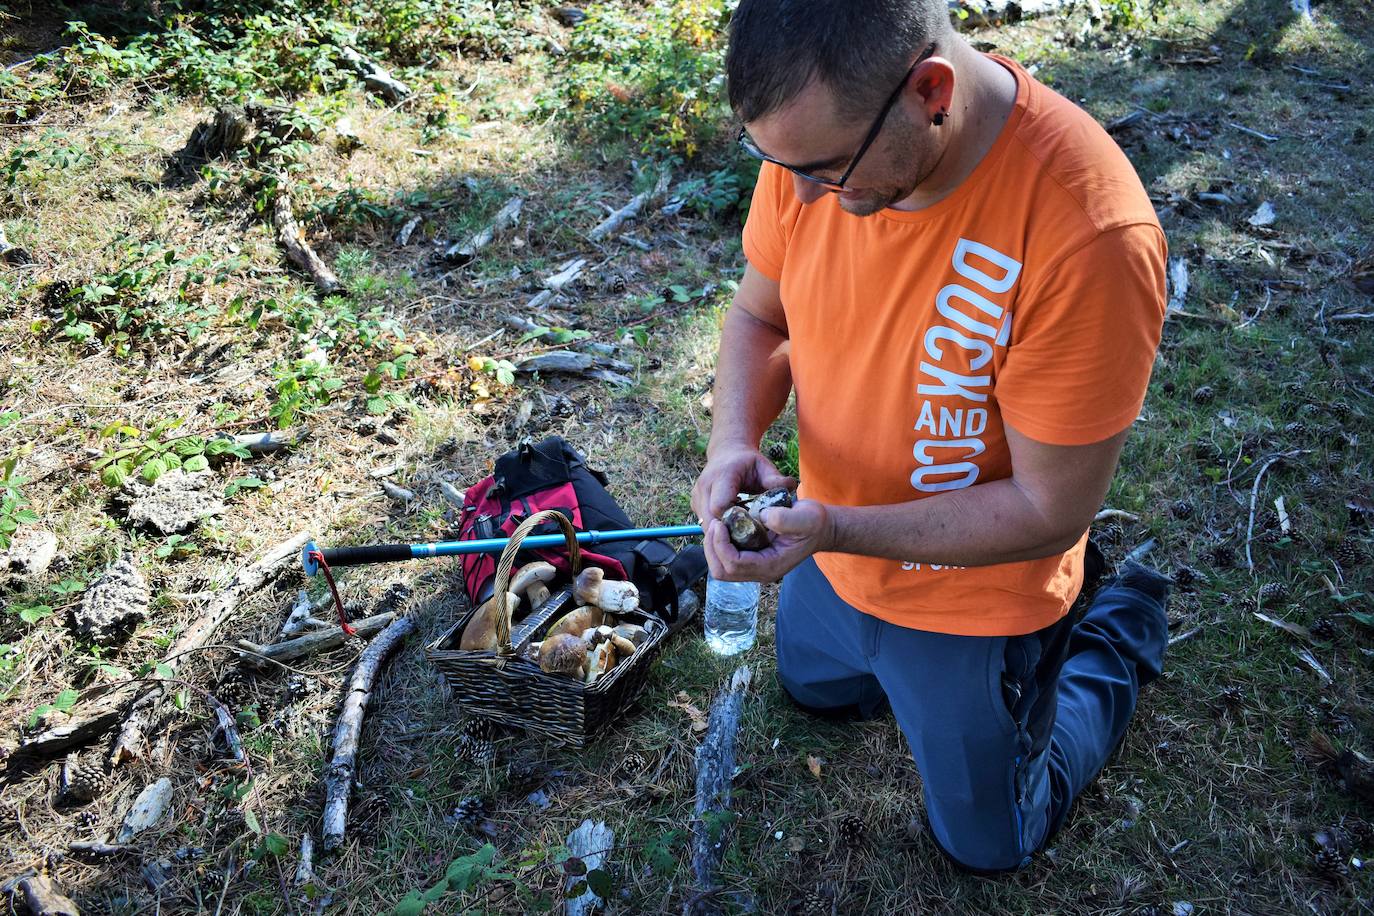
30	553
176	502
113	605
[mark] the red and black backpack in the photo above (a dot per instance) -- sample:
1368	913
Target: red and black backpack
551	474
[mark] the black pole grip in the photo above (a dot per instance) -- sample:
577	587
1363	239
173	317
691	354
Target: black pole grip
361	556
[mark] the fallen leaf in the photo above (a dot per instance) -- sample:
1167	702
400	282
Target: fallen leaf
1310	660
1299	631
813	763
683	702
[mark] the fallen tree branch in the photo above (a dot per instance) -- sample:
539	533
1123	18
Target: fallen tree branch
246	581
715	768
631	210
290	236
1119	514
375	76
590	843
311	643
273	440
1352	316
43	898
338	782
463	252
588	364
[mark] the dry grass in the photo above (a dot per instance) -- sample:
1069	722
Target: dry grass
1215	792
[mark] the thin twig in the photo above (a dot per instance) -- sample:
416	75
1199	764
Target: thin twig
1254	495
1268	138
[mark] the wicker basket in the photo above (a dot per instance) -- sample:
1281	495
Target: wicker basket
501	684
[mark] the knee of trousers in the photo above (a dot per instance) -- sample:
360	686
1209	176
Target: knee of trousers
992	832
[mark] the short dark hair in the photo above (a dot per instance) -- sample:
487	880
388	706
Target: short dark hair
857	48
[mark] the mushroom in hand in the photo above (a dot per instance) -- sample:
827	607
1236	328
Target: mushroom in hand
743	520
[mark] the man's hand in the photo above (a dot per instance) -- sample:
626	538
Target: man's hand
729	472
799	532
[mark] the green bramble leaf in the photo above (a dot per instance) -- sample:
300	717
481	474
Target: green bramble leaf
34	613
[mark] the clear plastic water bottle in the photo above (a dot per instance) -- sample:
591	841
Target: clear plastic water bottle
732	615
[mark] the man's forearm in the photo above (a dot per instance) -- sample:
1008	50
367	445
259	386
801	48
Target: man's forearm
753	378
989	523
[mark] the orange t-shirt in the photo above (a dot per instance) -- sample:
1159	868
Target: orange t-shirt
1034	294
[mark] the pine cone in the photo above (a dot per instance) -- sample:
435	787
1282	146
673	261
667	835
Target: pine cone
1266	536
1330	864
84	781
1361	833
1350	554
1182	509
1221	556
853	830
87	820
1272	593
366	816
1203	394
1297	429
470	812
475	743
1324	628
633	764
1232	697
812	904
1339	409
1315	483
1185	577
234	689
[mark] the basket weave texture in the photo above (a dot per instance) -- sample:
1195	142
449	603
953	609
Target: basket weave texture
501	684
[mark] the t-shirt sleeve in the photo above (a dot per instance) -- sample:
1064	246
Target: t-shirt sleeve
765	239
1083	342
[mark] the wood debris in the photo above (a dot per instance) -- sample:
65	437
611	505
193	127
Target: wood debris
375	76
464	252
292	238
338	781
631	210
715	762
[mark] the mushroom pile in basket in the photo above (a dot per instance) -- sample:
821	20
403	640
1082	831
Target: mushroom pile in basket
584	643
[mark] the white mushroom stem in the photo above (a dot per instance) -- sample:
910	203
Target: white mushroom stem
612	596
532	574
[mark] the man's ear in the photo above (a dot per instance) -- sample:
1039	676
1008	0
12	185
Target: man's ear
931	88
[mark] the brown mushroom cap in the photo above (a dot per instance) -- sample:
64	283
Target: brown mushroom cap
574	622
480	633
529	574
563	654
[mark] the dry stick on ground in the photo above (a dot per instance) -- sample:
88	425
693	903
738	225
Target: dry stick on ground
290	236
376	77
43	898
1254	495
319	641
631	210
338	781
715	766
590	842
462	252
246	581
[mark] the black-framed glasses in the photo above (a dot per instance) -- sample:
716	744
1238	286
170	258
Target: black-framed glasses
747	143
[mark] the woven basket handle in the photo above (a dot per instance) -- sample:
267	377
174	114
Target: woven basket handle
507	561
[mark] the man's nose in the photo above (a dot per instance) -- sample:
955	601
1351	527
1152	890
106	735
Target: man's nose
808	192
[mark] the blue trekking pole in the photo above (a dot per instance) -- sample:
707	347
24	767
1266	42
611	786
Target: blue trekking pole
314	557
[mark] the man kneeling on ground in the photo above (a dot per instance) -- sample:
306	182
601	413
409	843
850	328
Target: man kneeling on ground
959	274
